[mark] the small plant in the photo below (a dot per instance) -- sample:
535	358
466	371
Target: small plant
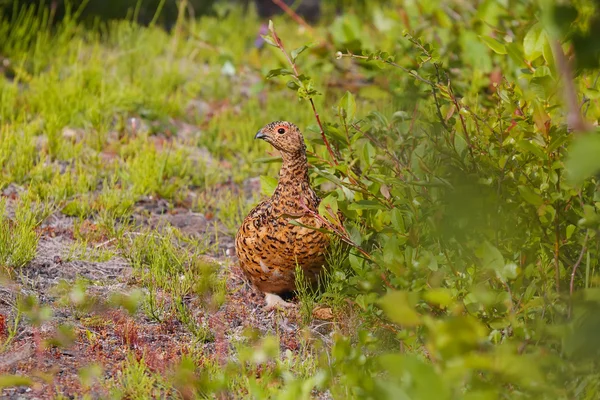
307	295
171	270
136	381
9	330
76	296
18	237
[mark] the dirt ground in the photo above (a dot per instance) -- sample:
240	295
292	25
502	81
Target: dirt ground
115	333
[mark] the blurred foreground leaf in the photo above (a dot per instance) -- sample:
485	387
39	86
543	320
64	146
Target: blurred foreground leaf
14	380
398	308
583	160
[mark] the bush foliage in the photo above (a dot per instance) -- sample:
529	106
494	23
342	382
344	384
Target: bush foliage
471	206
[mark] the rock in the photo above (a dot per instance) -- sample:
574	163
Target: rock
74	135
324	313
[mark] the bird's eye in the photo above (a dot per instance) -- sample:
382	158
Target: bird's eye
281	131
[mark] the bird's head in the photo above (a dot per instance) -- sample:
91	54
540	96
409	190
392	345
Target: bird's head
284	136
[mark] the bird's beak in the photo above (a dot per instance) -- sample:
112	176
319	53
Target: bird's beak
260	135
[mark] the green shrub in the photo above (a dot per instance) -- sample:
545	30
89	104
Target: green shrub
468	212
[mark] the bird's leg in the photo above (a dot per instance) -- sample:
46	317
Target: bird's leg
275	302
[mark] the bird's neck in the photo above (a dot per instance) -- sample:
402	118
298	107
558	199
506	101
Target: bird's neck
294	170
293	176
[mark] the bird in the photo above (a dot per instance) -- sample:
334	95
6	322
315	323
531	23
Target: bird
268	245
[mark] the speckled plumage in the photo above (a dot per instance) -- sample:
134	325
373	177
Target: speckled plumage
267	245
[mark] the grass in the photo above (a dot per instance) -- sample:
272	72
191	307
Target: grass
173	271
18	236
89	128
136	381
11	331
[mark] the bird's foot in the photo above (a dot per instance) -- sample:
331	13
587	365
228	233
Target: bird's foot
275	302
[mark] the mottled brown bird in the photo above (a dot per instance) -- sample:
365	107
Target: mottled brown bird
267	245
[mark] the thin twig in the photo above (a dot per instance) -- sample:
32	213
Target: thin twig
338	229
292	63
434	88
557	239
293	15
301	21
105	243
575	120
437	103
462	120
577	263
411	73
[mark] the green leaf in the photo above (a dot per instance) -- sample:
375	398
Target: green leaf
296	52
393	257
267	185
366	205
14	380
583	160
491	256
367	154
397	307
590	218
570	229
549	57
328	176
493	259
89	374
542	86
293	85
397	220
347	106
279	71
515	53
329	201
530	196
420	379
269	40
456	336
493	44
533	43
530	147
129	301
556	143
428	260
508	271
441	297
292	221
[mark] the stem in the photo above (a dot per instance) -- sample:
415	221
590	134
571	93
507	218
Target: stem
279	44
575	120
577	263
411	73
312	104
437	103
462	120
293	15
434	90
339	230
557	240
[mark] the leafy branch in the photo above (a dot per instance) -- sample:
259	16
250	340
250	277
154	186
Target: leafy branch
338	228
436	87
300	82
